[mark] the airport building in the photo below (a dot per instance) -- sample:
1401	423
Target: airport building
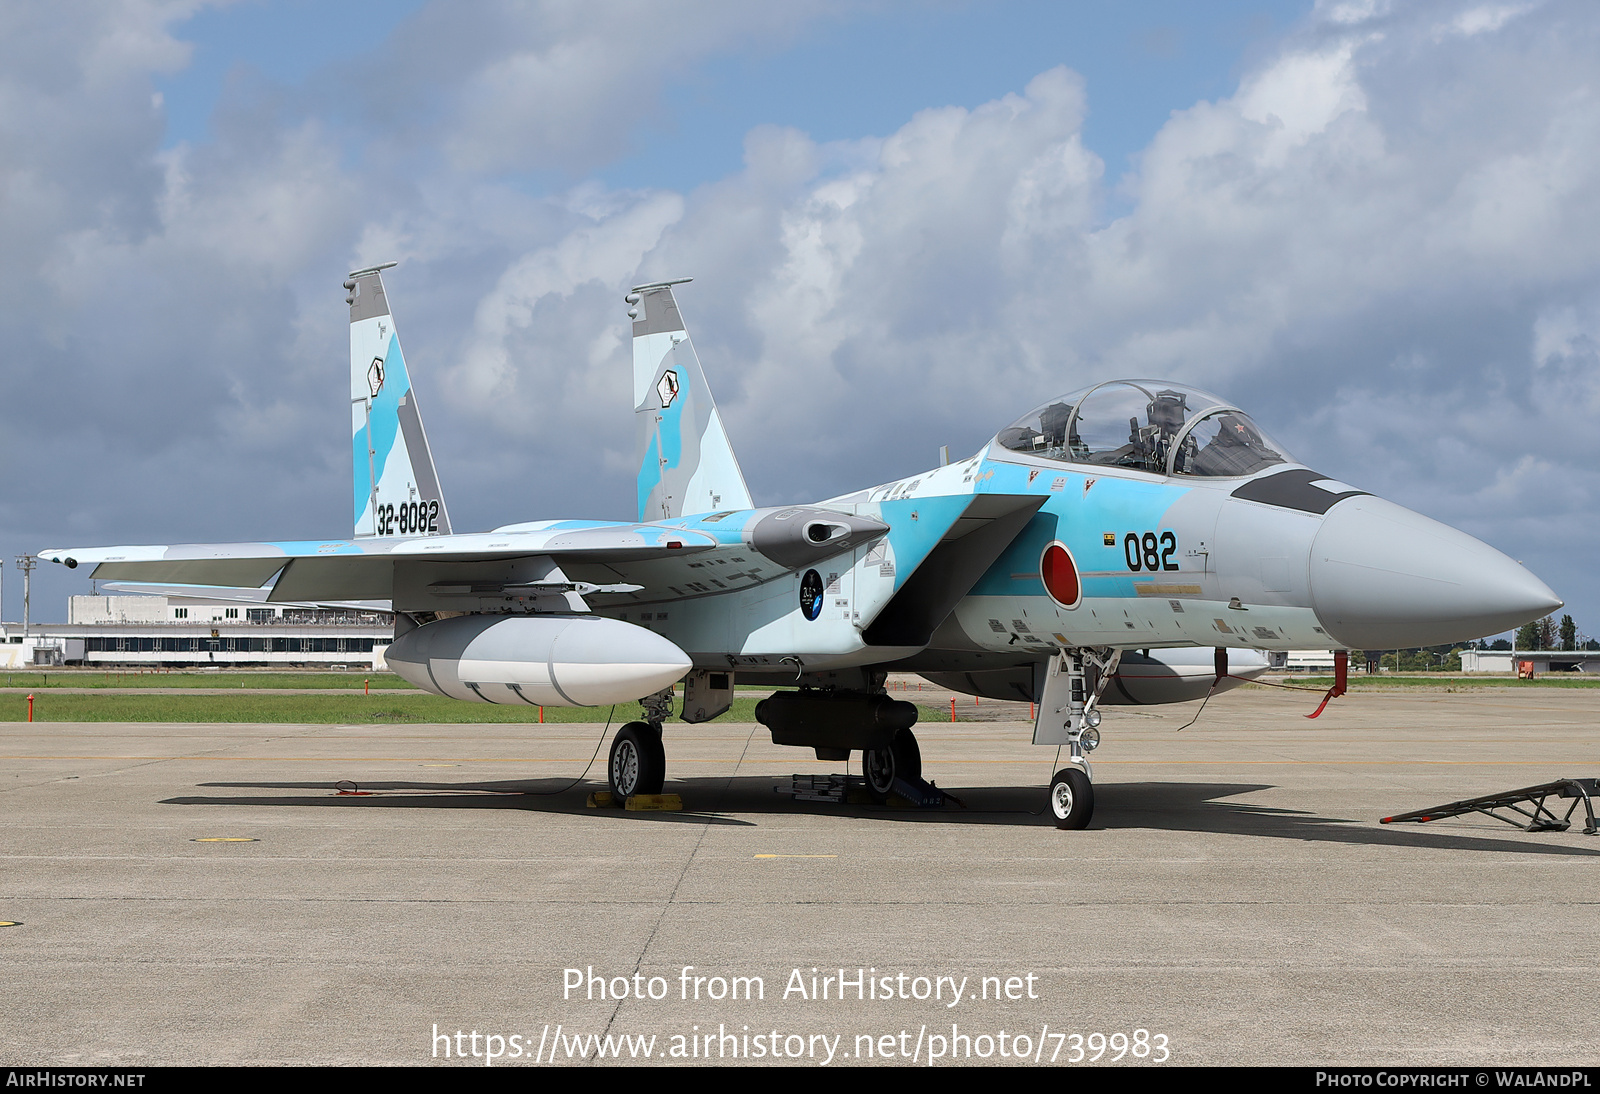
1300	660
1523	662
188	632
1502	662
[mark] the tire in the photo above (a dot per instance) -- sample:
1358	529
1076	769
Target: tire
899	759
1071	798
638	762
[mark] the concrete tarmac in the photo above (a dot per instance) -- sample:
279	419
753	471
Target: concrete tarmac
1235	897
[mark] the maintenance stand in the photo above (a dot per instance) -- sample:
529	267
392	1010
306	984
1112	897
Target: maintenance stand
1539	819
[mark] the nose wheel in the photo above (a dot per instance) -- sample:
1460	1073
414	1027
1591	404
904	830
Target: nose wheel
1071	798
638	761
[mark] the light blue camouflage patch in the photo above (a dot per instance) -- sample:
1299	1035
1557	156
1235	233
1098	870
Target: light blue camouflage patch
1079	517
302	548
725	528
649	476
385	425
570	525
912	537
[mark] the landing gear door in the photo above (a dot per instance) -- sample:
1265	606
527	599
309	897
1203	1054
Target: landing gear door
706	694
1052	686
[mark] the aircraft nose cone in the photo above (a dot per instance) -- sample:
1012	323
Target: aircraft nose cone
1383	577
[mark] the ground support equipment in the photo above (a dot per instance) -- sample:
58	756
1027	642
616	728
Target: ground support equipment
1539	819
843	789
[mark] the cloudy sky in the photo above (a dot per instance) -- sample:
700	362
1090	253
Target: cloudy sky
1373	225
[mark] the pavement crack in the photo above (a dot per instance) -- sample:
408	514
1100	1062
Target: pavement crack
672	897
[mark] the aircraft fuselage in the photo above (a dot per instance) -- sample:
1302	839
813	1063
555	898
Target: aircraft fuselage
1285	559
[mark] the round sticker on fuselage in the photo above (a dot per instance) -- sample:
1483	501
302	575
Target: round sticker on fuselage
811	594
1059	572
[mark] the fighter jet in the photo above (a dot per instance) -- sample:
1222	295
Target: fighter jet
1133	541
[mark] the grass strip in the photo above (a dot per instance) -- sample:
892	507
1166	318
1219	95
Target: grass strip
1551	680
285	681
288	681
405	708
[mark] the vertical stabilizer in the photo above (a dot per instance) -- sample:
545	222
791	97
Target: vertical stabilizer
396	487
686	465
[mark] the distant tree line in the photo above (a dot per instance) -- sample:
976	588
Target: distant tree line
1446	658
1547	634
1541	634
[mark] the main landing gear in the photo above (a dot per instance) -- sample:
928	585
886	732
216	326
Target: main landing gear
899	759
638	763
836	721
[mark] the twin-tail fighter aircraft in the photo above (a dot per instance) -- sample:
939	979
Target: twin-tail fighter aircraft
1111	546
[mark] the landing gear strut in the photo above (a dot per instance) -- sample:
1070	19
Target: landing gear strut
638	758
1069	715
899	759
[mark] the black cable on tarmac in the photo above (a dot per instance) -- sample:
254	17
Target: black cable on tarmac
598	746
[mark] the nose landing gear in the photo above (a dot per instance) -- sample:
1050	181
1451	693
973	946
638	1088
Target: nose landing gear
1069	715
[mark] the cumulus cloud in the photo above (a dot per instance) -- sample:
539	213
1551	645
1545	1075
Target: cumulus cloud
1364	244
1383	244
555	84
506	366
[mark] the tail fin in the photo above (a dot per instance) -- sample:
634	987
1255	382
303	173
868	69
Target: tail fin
396	487
686	465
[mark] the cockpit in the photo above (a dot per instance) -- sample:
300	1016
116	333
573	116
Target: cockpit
1146	425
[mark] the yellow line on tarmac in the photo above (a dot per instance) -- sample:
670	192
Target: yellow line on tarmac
954	762
797	856
1321	763
328	759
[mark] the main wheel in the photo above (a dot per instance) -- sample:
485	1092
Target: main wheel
638	761
1071	798
899	759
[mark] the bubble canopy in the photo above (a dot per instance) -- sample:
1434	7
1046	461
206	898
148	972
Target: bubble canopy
1146	425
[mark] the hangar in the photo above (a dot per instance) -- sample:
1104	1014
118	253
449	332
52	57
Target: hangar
185	632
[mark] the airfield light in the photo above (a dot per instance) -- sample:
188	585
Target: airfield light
26	563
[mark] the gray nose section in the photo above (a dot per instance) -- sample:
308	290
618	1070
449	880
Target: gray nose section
1383	577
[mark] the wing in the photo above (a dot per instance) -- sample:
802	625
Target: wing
551	565
412	572
225	594
933	550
